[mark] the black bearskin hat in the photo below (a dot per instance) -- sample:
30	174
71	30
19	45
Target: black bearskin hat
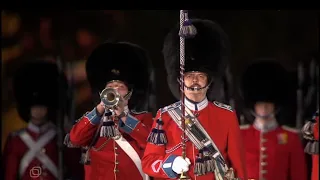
119	61
37	83
207	52
265	81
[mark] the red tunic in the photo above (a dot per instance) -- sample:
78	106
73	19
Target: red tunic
87	172
220	122
16	150
108	159
315	157
276	154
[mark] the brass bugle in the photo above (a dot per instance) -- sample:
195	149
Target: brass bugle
110	97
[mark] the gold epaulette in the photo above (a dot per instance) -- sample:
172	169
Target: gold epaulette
223	106
140	112
17	133
290	129
170	107
245	126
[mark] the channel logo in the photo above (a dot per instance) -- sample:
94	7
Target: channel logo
35	172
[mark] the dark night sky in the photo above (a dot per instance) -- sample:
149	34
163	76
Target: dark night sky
290	36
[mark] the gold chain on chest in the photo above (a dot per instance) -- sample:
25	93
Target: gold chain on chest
102	145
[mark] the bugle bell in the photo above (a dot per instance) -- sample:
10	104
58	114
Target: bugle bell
110	97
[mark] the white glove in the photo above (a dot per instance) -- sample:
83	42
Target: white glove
180	165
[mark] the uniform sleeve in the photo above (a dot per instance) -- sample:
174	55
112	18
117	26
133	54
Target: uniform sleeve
137	127
298	169
236	151
83	131
11	160
147	120
156	162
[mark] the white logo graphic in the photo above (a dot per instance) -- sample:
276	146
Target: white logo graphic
35	172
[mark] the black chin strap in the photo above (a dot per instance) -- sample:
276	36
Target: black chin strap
271	115
128	95
197	88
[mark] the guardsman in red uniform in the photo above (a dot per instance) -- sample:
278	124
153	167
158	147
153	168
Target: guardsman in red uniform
205	60
273	152
32	152
311	132
115	141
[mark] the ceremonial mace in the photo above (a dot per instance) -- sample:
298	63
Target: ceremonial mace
186	30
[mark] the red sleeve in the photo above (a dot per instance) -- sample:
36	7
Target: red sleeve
82	132
147	119
298	169
236	151
11	159
156	162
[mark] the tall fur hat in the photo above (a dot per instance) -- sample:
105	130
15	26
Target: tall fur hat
207	52
119	61
37	83
265	81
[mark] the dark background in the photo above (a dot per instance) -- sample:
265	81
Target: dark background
289	36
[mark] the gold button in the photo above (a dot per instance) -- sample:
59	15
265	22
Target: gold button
117	162
263	140
115	147
263	156
263	171
116	170
263	148
116	154
264	163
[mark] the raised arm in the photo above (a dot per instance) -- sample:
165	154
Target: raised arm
83	131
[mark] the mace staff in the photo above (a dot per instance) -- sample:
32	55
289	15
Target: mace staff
187	30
